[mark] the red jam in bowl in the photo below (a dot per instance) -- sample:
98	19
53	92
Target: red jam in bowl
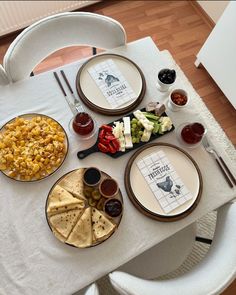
108	188
83	124
193	133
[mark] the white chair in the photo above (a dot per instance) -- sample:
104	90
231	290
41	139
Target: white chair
58	31
92	290
211	276
164	257
3	77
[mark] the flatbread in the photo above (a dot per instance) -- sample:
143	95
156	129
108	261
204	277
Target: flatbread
81	235
61	200
73	183
64	222
102	226
58	235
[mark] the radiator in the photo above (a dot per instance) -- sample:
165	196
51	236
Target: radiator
16	15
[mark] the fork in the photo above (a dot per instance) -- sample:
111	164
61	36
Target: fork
221	163
77	103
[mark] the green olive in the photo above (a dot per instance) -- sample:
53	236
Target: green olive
92	202
101	203
96	195
87	192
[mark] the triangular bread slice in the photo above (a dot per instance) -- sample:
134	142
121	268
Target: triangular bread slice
61	200
102	226
58	235
81	235
73	183
64	222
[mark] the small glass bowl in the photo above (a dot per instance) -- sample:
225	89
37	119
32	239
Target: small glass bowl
183	142
83	137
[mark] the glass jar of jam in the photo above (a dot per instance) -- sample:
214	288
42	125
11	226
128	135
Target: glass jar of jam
193	133
83	124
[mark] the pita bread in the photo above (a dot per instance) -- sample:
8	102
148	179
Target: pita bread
102	226
64	222
73	183
81	235
60	201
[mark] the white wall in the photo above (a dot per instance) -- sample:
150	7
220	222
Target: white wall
214	8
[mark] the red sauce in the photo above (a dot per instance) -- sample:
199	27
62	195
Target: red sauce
108	187
83	124
179	98
192	133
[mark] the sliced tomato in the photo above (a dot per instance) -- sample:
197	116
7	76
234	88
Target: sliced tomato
102	134
107	128
104	141
103	148
116	144
112	149
110	137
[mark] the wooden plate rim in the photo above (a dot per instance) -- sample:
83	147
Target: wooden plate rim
104	111
139	205
46	205
67	145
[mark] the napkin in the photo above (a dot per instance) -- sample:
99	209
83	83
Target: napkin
164	181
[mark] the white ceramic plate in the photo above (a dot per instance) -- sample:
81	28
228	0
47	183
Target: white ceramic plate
92	95
185	167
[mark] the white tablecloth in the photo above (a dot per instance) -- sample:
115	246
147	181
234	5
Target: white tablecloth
32	260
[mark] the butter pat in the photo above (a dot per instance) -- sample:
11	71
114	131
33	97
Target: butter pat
126	121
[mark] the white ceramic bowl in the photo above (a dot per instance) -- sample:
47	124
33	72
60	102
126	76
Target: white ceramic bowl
175	107
163	87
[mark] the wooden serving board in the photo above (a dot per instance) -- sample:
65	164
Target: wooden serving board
93	149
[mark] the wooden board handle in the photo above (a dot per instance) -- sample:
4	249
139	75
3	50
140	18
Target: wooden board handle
83	154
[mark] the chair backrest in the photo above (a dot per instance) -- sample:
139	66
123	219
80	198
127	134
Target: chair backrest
58	31
92	290
3	77
211	276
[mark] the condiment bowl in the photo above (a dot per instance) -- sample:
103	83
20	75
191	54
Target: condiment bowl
178	100
92	176
163	87
113	207
108	188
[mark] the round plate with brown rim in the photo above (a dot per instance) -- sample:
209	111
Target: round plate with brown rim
67	219
39	146
179	188
93	97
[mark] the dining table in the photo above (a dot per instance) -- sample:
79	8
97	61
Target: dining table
32	260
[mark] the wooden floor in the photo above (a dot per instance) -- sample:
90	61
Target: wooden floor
174	25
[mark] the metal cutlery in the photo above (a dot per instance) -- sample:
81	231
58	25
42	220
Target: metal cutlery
71	106
221	163
77	103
